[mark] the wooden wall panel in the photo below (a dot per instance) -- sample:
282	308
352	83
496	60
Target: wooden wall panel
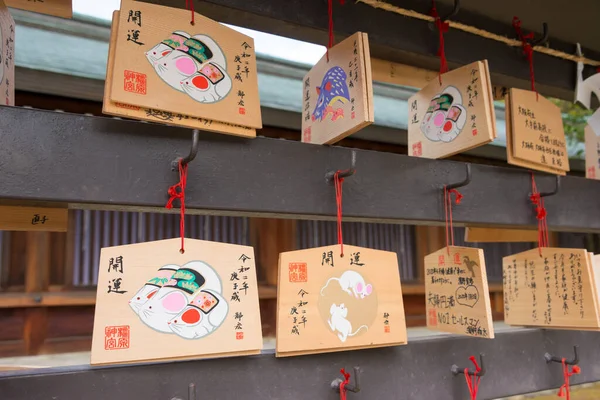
70	321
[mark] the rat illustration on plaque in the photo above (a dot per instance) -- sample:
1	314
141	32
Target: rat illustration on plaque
338	93
154	303
329	302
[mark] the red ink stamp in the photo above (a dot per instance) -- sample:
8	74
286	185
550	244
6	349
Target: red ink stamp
432	317
135	82
116	337
127	106
298	272
239	335
242	111
457	258
592	172
353	115
474	132
417	149
386	329
307	134
441	261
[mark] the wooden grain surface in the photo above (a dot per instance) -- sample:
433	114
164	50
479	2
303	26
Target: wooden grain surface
13	218
495	235
58	8
592	154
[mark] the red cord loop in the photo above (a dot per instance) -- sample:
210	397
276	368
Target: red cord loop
331	38
177	191
473	381
448	212
189	4
442	28
564	390
343	384
540	213
338	181
527	49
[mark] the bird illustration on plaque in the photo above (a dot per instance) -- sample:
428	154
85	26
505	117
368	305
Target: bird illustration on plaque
329	302
157	304
456	290
337	93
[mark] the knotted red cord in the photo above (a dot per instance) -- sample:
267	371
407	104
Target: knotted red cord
565	390
338	200
189	4
331	38
442	28
473	381
540	213
343	384
448	212
179	194
527	49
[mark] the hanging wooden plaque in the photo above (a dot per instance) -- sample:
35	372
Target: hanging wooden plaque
453	117
338	94
328	303
16	218
58	8
154	303
205	70
551	290
592	154
496	235
456	288
537	130
7	56
124	110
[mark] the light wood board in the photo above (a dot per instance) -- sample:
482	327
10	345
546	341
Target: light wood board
124	110
14	218
154	303
461	120
212	75
488	80
7	56
58	8
337	95
551	290
592	154
496	235
457	293
328	303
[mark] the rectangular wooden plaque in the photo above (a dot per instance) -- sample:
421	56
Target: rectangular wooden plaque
14	218
58	8
592	154
7	56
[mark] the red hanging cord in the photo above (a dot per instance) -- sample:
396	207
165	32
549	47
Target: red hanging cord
565	390
442	28
448	212
338	200
473	381
343	384
527	50
179	194
538	202
331	38
189	4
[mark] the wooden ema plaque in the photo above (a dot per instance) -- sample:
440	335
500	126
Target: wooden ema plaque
13	218
205	70
496	235
537	131
7	56
154	303
338	94
58	8
556	289
453	117
328	303
592	154
125	110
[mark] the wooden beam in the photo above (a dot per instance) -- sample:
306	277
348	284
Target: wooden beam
48	299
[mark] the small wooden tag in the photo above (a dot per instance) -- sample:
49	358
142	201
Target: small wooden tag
458	298
14	218
111	108
154	303
551	290
338	95
58	8
592	154
454	117
537	130
328	303
496	235
7	56
206	70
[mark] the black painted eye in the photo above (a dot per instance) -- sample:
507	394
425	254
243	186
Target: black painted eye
138	298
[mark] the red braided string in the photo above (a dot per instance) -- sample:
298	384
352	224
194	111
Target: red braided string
473	381
442	28
189	4
565	390
448	212
343	384
331	38
527	50
174	193
540	213
338	200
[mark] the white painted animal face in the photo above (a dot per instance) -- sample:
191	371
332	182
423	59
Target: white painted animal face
208	85
164	48
364	290
174	67
162	307
454	123
202	316
427	126
152	286
339	310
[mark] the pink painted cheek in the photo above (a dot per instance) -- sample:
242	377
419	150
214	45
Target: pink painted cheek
185	66
439	118
174	302
359	287
369	289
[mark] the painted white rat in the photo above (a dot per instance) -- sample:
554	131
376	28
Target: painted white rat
338	322
203	315
176	66
173	42
208	85
455	122
150	288
353	283
217	55
435	116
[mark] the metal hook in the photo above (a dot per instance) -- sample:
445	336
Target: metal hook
191	393
345	173
193	151
335	384
544	39
453	12
462	183
555	191
550	358
458	370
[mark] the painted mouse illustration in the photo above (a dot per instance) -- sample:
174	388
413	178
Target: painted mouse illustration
338	322
333	89
353	283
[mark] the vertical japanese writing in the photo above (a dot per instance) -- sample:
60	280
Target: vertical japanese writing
548	312
353	74
327	258
564	286
134	19
239	285
516	280
8	59
533	287
355	259
38	220
115	266
242	71
473	95
298	313
579	286
386	322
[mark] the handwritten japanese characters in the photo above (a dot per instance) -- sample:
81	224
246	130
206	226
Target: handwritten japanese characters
337	95
454	117
327	302
155	303
163	69
592	153
456	292
58	8
554	289
16	218
7	57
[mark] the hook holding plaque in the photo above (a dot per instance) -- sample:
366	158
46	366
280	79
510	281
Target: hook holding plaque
464	182
556	188
481	372
544	39
355	388
191	393
193	152
454	11
550	358
343	173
